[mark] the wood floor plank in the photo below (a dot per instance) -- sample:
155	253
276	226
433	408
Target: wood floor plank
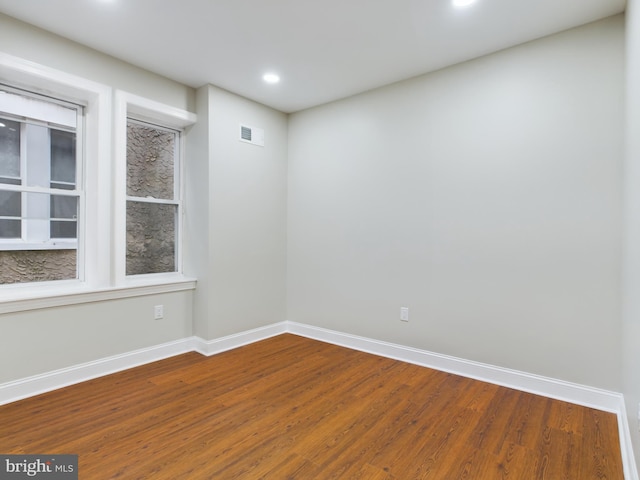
531	411
439	440
293	408
419	422
515	462
293	466
491	430
597	439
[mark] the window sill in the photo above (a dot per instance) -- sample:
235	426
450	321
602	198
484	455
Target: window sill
22	298
51	245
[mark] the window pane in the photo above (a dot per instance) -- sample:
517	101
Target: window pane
64	229
151	238
21	266
63	156
150	161
64	207
10	204
10	228
9	149
64	214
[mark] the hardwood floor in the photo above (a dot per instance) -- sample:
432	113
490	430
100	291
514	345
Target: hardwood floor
293	408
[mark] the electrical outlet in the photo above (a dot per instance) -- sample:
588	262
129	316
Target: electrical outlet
158	312
404	314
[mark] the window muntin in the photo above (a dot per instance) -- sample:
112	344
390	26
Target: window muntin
40	198
153	206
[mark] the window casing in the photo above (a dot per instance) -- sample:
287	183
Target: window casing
100	247
41	188
142	254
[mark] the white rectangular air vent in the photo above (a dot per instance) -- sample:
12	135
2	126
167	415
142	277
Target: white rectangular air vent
252	135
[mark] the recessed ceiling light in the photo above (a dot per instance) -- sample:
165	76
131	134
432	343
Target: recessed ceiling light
271	78
462	3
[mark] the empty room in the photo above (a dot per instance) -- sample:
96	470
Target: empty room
320	240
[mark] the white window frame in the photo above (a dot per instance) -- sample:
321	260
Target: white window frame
94	237
101	270
145	110
41	239
176	200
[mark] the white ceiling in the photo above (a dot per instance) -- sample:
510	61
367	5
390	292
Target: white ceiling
322	49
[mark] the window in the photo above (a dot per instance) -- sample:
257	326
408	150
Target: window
74	226
153	198
40	192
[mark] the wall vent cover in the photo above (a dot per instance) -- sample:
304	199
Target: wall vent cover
252	135
245	133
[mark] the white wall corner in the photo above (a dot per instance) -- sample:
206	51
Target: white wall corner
222	344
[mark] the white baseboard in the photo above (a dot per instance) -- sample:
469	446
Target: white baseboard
218	345
626	446
612	402
548	387
46	382
579	394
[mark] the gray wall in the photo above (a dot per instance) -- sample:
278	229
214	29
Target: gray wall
485	197
240	233
40	341
631	270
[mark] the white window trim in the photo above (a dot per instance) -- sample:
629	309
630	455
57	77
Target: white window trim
140	108
96	98
45	112
104	280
